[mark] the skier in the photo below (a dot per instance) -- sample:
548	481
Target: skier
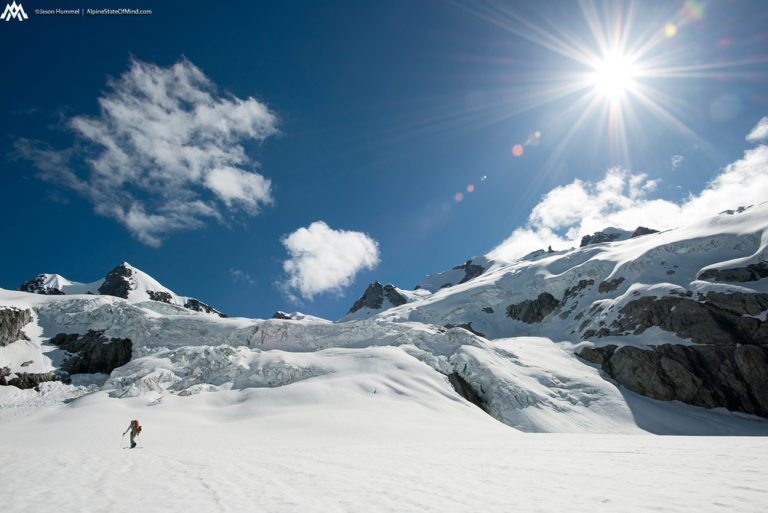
135	429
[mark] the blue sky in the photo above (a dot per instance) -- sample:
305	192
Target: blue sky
282	155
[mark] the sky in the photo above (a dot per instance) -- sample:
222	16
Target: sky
268	156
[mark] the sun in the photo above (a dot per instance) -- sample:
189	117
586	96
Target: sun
614	75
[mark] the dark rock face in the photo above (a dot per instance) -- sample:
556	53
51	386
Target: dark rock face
752	272
281	315
470	270
609	285
394	297
374	295
598	237
37	286
199	306
12	320
117	282
572	291
467	326
720	319
642	230
706	375
163	297
25	380
533	310
487	309
465	390
94	352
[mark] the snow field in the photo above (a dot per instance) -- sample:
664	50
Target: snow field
227	451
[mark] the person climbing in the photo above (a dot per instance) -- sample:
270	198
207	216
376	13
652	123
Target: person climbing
135	429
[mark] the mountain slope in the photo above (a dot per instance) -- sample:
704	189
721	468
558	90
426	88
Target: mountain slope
123	281
552	342
701	286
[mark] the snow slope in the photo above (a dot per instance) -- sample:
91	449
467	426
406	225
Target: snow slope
350	450
658	264
124	281
532	384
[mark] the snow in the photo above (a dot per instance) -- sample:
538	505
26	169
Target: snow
310	415
254	451
56	281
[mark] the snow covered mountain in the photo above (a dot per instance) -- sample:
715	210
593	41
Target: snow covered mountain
610	337
123	281
674	315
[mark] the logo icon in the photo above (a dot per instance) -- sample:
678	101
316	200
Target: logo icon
13	11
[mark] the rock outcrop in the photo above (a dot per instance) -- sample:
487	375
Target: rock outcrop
199	306
374	295
281	315
752	272
25	380
37	286
533	310
703	375
609	285
12	320
162	296
607	235
642	230
470	270
467	326
117	282
93	352
723	319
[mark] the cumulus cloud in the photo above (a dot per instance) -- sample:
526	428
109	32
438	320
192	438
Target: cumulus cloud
322	259
760	131
165	152
624	200
677	160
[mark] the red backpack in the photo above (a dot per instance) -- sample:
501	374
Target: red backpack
136	426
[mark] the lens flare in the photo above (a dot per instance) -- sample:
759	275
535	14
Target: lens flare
459	196
470	188
517	150
670	30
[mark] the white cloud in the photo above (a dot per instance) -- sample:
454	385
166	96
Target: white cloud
760	131
622	200
165	153
234	185
323	259
677	160
239	276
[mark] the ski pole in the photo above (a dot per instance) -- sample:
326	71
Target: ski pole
121	440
